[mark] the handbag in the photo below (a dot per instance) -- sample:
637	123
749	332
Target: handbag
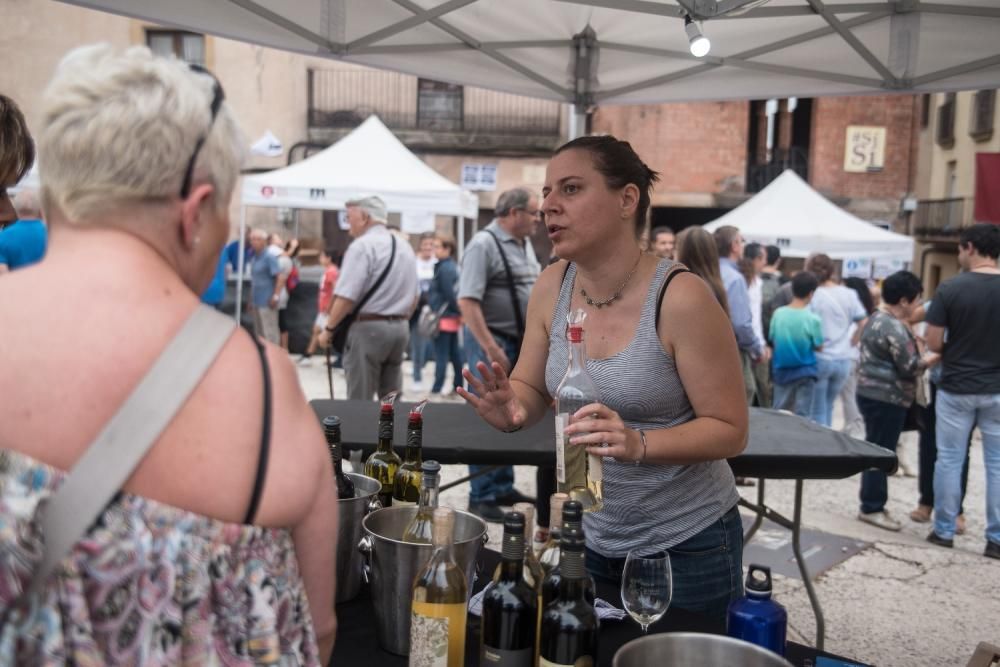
338	334
428	321
107	463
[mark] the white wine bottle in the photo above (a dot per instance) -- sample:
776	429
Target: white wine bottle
438	612
420	530
577	473
406	484
383	462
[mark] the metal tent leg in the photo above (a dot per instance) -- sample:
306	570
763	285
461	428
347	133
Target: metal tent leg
801	562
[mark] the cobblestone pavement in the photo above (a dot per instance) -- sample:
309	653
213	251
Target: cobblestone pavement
900	602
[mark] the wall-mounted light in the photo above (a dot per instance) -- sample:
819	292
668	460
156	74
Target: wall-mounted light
697	42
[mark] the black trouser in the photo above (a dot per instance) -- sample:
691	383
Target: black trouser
927	421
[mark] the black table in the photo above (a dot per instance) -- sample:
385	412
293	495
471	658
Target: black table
357	643
781	446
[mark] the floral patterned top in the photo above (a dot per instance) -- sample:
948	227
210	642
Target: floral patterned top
890	362
150	584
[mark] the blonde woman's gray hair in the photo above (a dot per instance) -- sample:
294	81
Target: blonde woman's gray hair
118	130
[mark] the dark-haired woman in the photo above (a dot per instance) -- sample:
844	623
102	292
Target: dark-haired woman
891	362
672	405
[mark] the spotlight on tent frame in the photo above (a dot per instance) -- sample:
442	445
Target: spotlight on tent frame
697	42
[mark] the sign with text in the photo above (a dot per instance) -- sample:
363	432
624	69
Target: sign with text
481	177
886	267
864	150
857	267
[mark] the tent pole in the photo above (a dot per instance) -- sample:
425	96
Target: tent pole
239	265
460	237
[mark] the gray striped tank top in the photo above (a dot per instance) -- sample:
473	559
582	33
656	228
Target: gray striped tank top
648	506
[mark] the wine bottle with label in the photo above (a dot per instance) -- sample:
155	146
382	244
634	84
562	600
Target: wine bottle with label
406	484
510	605
577	473
569	624
383	462
548	556
420	529
331	429
572	519
437	617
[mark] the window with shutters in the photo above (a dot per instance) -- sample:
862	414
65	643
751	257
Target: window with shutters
983	111
946	122
188	46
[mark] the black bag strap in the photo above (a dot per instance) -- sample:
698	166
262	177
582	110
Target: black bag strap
381	279
518	317
674	272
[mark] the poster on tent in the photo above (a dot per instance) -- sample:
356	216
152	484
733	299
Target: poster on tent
417	222
342	220
884	268
857	267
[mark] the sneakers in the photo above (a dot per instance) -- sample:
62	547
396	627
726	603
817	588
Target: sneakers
305	361
933	538
881	519
922	514
417	386
487	511
992	550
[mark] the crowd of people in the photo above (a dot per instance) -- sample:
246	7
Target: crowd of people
233	490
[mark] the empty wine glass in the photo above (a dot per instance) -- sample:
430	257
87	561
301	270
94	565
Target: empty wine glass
647	586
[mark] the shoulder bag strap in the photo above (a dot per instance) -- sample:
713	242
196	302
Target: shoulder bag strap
123	442
518	317
381	278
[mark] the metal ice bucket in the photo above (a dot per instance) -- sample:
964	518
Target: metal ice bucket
352	511
692	649
392	565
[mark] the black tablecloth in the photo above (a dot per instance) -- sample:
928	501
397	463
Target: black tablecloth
781	445
357	644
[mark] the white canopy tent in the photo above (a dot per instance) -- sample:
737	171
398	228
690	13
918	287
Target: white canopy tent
791	215
369	160
589	52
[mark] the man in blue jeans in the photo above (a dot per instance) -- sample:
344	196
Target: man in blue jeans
963	323
499	268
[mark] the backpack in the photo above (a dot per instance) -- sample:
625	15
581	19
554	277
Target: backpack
293	279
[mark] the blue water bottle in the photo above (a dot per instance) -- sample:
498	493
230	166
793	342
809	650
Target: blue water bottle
756	618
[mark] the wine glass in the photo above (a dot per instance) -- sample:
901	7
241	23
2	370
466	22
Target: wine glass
647	586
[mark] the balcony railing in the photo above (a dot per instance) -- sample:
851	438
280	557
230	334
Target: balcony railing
340	100
941	217
759	176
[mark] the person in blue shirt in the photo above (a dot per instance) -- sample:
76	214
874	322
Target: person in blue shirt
797	334
216	290
23	243
17	154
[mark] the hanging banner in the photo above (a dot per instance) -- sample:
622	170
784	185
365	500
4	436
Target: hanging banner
417	223
886	267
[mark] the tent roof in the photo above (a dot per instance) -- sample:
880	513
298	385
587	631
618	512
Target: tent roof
637	51
369	160
791	215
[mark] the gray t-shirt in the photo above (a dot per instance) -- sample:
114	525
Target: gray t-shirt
485	279
263	270
364	261
286	264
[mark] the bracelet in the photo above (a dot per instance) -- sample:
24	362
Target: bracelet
642	436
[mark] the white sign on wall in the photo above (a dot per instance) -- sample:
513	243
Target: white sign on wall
481	177
865	148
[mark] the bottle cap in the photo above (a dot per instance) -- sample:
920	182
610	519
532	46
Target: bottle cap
417	413
513	522
572	512
758	580
430	468
575	334
388	401
331	425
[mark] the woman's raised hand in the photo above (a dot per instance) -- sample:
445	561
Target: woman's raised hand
492	397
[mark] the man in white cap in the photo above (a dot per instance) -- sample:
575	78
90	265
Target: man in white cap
373	355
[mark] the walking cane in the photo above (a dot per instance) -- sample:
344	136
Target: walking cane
329	370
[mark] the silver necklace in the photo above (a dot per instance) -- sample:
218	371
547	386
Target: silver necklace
618	293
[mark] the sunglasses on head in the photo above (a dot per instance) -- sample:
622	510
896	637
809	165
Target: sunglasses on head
217	97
